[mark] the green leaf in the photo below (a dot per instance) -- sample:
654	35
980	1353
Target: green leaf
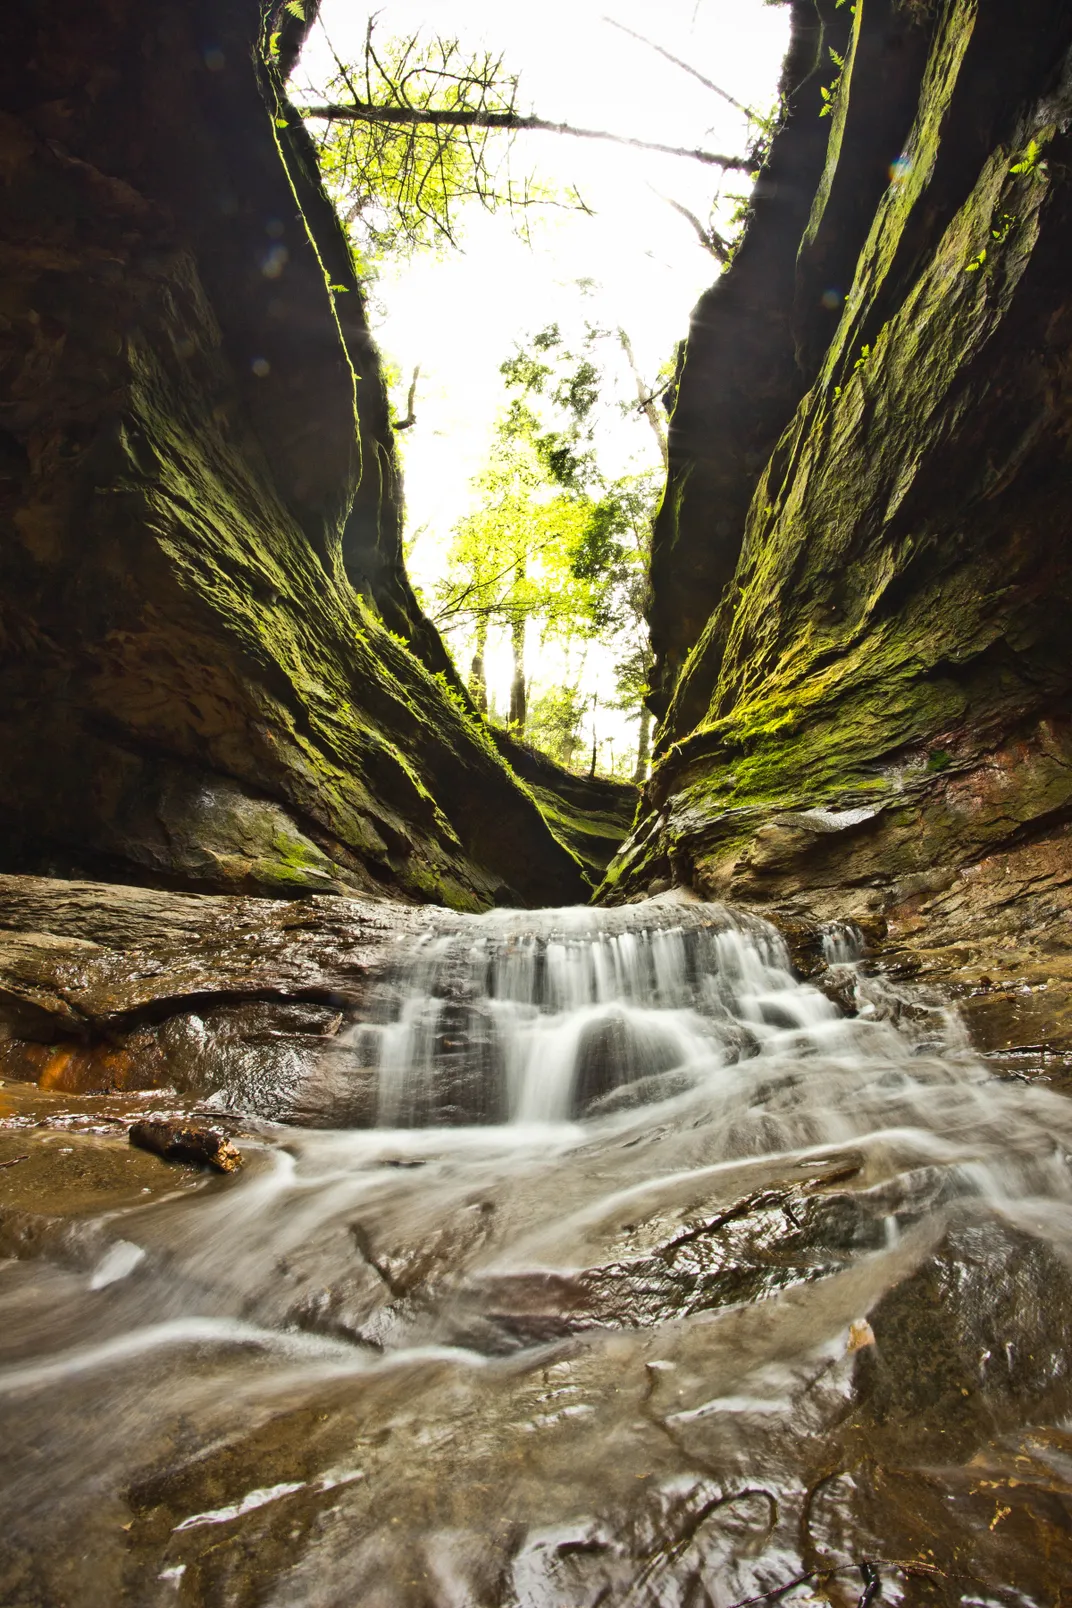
296	9
1030	164
1029	160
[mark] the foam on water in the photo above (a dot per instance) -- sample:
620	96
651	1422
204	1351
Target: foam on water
586	1127
553	1014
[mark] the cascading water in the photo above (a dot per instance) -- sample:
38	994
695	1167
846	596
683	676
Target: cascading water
582	1013
609	1263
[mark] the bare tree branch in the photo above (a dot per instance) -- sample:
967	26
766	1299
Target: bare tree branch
360	111
685	67
411	417
647	402
709	238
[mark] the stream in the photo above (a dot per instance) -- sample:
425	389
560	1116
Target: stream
603	1262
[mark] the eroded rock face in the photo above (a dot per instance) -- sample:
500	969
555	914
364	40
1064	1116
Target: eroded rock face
107	988
874	721
740	380
214	672
591	816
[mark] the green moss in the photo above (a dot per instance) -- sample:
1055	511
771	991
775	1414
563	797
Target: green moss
870	619
345	719
593	837
836	103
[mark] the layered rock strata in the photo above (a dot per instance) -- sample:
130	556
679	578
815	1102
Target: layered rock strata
113	989
214	673
874	721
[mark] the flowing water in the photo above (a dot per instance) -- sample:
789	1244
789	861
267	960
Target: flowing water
604	1262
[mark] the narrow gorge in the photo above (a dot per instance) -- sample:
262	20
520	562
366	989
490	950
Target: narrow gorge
432	1178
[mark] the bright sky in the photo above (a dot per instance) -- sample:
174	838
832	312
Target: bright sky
460	315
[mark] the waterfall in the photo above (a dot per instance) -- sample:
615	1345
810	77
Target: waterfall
571	1013
605	1261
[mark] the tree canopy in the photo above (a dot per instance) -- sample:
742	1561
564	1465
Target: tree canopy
555	546
420	126
415	131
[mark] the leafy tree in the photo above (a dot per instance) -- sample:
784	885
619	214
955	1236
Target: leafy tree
555	544
400	183
421	126
613	555
410	134
513	562
555	720
618	551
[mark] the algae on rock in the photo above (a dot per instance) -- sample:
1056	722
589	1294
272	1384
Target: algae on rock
882	690
212	660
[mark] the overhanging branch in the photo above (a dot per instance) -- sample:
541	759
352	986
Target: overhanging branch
420	117
685	67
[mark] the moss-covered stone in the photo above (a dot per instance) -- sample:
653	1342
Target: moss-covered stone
883	691
589	815
210	677
740	379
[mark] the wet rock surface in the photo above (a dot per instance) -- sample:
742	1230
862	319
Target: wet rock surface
796	1329
106	987
195	1147
995	936
578	1440
870	721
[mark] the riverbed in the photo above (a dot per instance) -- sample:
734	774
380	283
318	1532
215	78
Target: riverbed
607	1262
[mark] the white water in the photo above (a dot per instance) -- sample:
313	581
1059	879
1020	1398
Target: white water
556	1020
572	1107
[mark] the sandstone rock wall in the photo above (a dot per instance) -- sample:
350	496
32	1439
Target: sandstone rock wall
211	660
111	988
875	719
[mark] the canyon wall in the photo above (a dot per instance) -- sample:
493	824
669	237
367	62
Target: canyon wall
213	671
869	503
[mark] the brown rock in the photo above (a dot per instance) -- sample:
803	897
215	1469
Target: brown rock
861	568
199	1147
215	672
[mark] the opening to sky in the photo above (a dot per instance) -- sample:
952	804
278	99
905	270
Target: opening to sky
633	261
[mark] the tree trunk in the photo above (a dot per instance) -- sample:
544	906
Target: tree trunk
646	399
478	680
518	701
643	757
